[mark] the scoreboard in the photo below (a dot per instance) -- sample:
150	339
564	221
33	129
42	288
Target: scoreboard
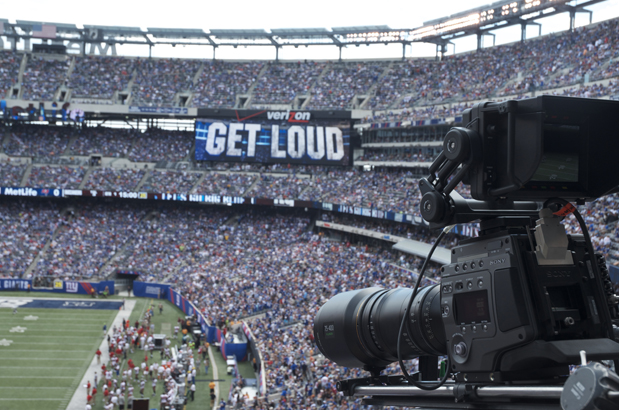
285	137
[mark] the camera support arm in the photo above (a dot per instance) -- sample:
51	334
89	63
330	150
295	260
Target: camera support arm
441	205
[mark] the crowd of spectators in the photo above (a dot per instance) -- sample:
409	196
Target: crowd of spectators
235	265
11	174
37	141
285	187
9	70
601	217
170	182
108	142
418	114
392	228
271	264
88	236
269	268
42	77
25	228
158	80
221	82
281	82
398	155
166	240
593	91
388	191
160	145
114	179
99	77
64	177
342	81
232	184
554	61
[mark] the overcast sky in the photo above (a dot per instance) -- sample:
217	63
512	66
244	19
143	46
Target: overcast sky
266	14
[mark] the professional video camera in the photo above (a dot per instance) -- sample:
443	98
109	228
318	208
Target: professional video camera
516	305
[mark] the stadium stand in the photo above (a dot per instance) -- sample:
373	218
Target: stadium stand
42	78
11	175
221	82
157	81
272	269
172	182
25	228
37	141
9	70
114	179
104	141
98	78
281	83
234	184
56	176
159	145
564	61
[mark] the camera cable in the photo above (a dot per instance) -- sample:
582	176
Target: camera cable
416	383
569	208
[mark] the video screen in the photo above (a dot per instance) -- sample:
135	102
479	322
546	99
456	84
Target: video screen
299	142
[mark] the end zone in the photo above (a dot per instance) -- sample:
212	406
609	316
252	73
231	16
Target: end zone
59	303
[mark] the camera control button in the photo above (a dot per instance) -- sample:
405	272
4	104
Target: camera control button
474	328
463	329
485	327
460	349
480	283
469	285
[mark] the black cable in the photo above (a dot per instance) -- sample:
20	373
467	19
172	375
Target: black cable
418	384
592	257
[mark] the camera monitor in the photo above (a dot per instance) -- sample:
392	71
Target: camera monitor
544	147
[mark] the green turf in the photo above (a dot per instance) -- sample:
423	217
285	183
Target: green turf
43	366
167	320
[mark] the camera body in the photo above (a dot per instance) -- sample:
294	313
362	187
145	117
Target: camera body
496	298
520	302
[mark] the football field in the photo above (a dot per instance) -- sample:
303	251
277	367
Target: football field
45	348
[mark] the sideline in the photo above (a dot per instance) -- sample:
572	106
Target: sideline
78	401
213	365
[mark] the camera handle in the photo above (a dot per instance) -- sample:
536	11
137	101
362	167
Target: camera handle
442	206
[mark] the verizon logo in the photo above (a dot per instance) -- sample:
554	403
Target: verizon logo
290	116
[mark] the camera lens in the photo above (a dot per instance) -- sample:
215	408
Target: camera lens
360	328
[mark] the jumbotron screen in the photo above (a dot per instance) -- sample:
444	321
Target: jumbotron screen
285	137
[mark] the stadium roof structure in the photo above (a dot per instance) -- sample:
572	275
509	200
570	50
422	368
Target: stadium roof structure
27	26
479	21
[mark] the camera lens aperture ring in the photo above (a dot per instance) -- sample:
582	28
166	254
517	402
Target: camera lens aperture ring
425	320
